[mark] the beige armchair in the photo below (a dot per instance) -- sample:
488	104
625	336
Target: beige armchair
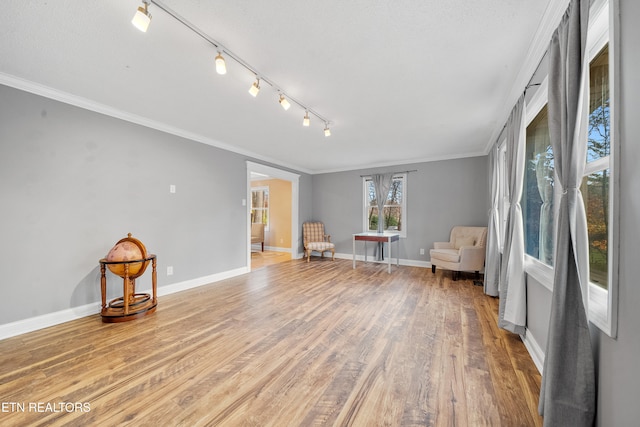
465	251
314	239
257	234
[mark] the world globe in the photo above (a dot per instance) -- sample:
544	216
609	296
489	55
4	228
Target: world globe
128	249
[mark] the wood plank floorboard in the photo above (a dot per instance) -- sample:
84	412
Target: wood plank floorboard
289	344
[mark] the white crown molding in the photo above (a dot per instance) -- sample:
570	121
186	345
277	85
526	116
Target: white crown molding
537	49
87	104
400	163
31	324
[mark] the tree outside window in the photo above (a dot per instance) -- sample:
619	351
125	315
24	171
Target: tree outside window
595	185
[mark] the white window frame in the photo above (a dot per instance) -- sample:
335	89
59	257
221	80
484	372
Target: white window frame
263	188
365	203
603	304
540	271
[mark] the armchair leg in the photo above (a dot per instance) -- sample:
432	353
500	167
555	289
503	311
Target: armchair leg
262	246
333	254
455	275
433	268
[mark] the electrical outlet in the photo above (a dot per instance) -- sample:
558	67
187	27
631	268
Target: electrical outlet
172	189
421	251
170	270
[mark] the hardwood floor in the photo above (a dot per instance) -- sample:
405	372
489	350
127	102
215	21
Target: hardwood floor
291	344
263	259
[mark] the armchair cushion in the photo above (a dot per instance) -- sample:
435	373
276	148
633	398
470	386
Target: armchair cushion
449	255
464	241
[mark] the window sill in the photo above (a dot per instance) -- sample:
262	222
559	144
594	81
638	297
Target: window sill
599	310
598	297
539	271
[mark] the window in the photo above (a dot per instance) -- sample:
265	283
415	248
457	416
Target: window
595	185
260	206
538	191
394	212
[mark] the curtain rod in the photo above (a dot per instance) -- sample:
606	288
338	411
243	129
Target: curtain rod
528	85
369	174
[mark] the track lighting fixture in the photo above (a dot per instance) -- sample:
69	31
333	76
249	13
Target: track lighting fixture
221	66
283	101
142	18
255	88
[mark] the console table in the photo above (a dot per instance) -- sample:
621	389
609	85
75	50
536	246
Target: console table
377	237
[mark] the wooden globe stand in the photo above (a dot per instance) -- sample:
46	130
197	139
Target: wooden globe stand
130	305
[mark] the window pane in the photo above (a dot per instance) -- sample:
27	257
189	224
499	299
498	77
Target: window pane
373	218
599	112
537	196
260	206
393	218
595	192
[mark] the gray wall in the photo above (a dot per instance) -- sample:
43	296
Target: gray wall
74	182
439	195
619	359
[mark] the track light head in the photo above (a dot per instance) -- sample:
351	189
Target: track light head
306	121
221	66
255	88
142	18
327	131
283	101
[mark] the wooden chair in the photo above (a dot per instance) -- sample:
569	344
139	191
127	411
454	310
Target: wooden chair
314	239
257	234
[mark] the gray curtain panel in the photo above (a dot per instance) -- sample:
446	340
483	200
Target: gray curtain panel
512	314
492	258
568	392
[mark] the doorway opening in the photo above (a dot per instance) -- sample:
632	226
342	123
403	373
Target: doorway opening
277	194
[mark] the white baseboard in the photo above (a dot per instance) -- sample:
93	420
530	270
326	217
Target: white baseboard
534	349
50	319
407	262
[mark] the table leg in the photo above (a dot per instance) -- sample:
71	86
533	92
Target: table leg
389	260
365	251
398	256
354	252
103	286
154	278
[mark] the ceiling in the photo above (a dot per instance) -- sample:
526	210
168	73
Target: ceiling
401	81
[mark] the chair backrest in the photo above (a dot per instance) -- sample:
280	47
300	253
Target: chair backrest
312	232
468	236
257	231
